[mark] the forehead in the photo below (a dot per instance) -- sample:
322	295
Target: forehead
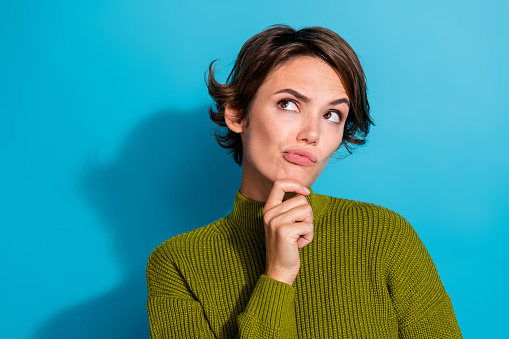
310	74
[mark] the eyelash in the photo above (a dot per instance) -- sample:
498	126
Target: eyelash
286	101
340	115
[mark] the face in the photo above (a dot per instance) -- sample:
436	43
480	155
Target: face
295	125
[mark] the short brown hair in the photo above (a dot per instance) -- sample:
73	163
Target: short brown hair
272	47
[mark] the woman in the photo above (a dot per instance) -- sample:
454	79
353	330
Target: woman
288	262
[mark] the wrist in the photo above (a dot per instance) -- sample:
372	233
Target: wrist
284	278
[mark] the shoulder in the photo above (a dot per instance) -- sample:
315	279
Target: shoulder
363	211
186	244
361	219
395	237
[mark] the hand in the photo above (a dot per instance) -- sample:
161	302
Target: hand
288	227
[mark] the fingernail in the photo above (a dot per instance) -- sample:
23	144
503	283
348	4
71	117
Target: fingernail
307	190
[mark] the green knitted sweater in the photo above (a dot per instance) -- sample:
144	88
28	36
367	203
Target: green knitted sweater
366	274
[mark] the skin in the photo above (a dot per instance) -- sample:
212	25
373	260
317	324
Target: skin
302	105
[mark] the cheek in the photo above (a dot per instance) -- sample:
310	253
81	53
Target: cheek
255	141
334	141
264	134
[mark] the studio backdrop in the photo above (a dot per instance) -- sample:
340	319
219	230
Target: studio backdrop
106	148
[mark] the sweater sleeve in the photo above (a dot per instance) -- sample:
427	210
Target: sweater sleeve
423	307
174	311
270	312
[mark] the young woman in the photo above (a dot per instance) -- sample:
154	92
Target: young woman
287	262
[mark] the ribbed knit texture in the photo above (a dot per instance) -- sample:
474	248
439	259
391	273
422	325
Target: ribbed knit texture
366	274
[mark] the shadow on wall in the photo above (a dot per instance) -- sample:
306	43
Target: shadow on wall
170	177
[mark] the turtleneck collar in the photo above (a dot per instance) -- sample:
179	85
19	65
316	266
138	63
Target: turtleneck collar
248	214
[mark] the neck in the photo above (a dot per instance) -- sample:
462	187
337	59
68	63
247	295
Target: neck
256	192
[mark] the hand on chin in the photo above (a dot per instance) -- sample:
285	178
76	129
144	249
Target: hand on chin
286	170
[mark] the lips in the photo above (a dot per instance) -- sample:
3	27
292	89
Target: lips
300	156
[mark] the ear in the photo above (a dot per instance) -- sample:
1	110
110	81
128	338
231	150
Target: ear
231	117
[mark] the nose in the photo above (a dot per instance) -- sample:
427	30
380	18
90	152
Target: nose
309	131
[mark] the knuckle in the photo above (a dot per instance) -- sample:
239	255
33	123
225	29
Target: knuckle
274	222
308	209
285	183
267	218
302	199
279	182
310	230
307	226
283	231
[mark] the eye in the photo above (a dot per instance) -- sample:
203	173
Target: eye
288	105
332	116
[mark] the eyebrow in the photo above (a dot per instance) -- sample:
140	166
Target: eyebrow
306	99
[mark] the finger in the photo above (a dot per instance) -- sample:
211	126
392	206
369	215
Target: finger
297	214
306	236
304	240
285	206
293	232
280	188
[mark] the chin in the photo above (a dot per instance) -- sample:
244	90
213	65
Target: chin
306	179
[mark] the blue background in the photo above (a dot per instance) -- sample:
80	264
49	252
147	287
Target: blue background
106	148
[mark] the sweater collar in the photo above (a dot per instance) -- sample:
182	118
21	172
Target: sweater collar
248	214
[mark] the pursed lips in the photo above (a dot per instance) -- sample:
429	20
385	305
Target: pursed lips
300	156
